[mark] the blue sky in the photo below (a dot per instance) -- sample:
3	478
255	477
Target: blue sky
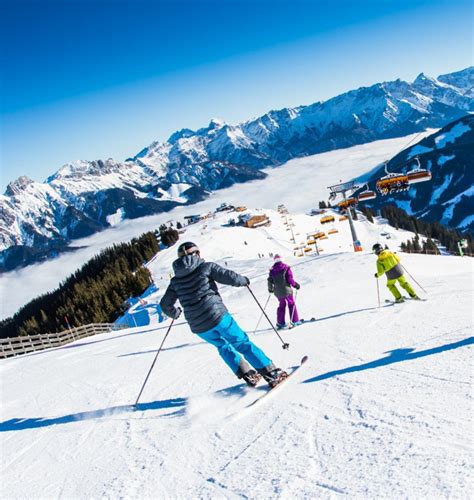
88	79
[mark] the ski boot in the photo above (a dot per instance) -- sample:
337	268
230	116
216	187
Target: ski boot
252	378
280	326
400	300
414	297
274	377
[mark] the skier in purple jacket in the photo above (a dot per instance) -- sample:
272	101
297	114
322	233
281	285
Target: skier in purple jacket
281	283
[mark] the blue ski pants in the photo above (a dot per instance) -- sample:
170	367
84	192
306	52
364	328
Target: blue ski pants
232	342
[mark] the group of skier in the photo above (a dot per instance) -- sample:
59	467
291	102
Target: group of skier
194	285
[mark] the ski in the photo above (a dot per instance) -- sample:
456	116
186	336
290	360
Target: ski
388	301
301	322
294	325
393	302
271	390
288	326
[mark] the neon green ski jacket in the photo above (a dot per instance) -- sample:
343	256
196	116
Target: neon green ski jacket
388	262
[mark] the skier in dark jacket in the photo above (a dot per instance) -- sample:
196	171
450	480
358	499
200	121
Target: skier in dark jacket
281	283
194	285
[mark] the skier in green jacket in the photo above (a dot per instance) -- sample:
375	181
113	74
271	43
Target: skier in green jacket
389	263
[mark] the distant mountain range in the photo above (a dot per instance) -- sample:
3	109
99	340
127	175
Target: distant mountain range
37	220
449	196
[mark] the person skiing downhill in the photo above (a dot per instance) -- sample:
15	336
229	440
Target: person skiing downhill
194	285
281	283
389	263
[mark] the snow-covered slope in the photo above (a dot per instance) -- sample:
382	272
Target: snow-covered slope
39	219
449	197
381	410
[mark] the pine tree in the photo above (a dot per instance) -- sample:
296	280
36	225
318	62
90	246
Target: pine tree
32	326
416	244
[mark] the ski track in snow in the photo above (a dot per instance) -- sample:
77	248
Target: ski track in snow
382	409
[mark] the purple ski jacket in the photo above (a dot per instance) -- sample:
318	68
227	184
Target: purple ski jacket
280	280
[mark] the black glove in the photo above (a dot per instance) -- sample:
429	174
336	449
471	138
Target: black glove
247	281
297	286
177	312
376	275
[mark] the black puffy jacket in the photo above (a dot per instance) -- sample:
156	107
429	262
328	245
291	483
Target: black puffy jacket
194	285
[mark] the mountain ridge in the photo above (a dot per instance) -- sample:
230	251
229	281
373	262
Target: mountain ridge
448	198
83	197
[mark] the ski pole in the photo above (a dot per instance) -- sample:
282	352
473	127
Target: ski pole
284	344
405	269
378	291
294	308
154	361
261	315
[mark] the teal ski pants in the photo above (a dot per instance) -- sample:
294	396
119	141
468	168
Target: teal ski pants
235	347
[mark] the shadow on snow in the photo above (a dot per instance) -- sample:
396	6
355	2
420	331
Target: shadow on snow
333	316
19	424
163	349
396	356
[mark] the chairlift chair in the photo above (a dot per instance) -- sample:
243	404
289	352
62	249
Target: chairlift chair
367	194
392	183
418	174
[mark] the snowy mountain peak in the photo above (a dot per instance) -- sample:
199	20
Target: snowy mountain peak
463	79
180	134
17	186
422	77
80	168
216	123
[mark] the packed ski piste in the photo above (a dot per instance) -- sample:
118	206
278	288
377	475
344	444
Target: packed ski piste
274	374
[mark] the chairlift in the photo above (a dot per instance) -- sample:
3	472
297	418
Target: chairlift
326	219
348	202
317	235
367	194
392	183
418	174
